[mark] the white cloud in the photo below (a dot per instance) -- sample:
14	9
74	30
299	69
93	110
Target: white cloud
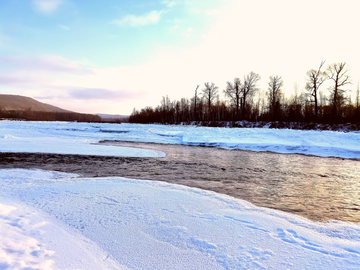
169	3
211	12
152	17
47	6
188	32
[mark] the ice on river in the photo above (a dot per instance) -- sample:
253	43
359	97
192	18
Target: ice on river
64	137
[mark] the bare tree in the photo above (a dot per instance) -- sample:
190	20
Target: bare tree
249	89
357	96
209	93
195	103
296	90
274	89
315	79
166	107
233	91
339	75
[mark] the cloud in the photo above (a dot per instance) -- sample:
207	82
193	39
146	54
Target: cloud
169	3
51	63
100	94
188	32
47	6
211	12
152	17
14	80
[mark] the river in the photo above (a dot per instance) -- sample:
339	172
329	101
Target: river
317	188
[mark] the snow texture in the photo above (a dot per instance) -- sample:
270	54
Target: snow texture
115	223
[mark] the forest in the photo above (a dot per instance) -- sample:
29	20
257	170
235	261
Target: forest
30	115
245	101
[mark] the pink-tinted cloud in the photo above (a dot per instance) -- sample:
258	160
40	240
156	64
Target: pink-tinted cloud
102	94
50	63
14	80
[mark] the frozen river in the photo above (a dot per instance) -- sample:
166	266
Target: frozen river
318	177
318	188
315	187
76	212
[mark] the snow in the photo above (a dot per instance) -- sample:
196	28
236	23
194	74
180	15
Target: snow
28	241
57	220
137	224
61	138
80	138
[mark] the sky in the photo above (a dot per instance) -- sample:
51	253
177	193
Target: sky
115	55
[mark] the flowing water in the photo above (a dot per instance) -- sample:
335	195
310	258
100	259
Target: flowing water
318	188
315	187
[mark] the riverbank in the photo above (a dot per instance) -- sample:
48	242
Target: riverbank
347	127
293	183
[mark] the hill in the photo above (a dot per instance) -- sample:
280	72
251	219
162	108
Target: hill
25	108
22	103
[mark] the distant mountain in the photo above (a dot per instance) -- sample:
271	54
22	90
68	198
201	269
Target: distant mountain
22	103
25	108
114	117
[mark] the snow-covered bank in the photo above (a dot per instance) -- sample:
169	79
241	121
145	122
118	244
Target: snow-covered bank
153	225
348	127
63	137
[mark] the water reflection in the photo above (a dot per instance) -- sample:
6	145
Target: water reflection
315	187
318	188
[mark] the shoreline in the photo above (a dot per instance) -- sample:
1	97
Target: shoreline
255	177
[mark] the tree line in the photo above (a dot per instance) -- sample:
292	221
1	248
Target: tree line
244	100
30	115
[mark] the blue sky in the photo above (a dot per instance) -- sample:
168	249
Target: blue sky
113	55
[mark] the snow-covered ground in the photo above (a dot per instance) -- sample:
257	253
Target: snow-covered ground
64	137
61	221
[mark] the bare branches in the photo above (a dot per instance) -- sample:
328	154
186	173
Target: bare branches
315	78
233	91
195	101
274	87
339	75
245	104
209	93
250	82
238	92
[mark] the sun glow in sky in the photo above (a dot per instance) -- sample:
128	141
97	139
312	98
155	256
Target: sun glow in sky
111	56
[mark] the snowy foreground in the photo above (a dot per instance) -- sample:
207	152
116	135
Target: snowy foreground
53	220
